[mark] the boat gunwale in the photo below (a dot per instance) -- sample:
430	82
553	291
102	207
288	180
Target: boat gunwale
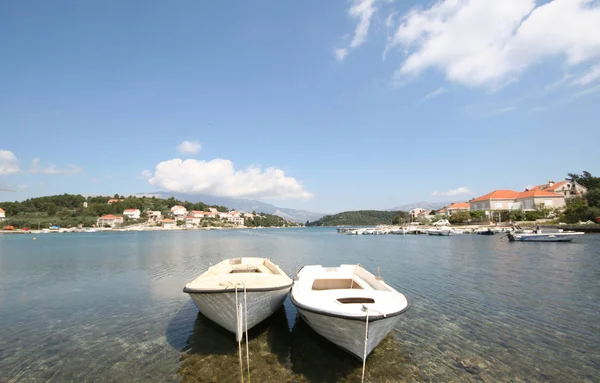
231	290
372	318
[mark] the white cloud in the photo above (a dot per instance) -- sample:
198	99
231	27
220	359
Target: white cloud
53	169
218	177
588	77
453	192
189	147
488	43
588	91
435	93
340	54
363	10
9	164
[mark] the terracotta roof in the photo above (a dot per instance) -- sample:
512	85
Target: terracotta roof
460	205
168	220
110	216
132	210
537	193
177	207
197	212
1	210
556	185
497	194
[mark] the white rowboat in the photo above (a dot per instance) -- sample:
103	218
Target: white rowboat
337	302
219	292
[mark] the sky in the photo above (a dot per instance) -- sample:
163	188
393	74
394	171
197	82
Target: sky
319	105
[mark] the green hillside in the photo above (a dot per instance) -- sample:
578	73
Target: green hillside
361	217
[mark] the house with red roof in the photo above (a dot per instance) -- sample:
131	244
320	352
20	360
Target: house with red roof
496	200
109	220
2	214
454	208
529	199
567	188
179	212
168	223
114	200
132	213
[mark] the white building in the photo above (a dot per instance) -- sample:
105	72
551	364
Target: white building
169	223
2	215
196	214
109	220
154	216
192	221
235	218
132	213
179	212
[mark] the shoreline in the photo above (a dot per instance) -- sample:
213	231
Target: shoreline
109	230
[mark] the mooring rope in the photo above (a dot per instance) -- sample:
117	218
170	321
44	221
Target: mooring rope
238	334
366	342
247	341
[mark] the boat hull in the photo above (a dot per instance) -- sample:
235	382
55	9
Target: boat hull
534	238
349	334
220	307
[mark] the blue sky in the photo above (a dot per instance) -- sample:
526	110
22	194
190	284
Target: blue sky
325	106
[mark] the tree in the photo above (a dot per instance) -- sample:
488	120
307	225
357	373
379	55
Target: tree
576	210
459	217
586	179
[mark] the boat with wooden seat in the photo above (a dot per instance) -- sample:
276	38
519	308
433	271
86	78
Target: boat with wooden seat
343	303
238	287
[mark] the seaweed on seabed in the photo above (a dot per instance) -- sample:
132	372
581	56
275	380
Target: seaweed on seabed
315	359
212	352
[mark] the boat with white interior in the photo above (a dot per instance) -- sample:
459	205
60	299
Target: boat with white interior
240	290
345	303
442	231
538	236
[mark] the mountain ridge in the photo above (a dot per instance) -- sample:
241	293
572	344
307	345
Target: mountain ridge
243	204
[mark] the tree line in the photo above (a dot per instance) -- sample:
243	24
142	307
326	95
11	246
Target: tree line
361	217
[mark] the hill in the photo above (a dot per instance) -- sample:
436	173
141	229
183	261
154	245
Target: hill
243	204
423	205
356	218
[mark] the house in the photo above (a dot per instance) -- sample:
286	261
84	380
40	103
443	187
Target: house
191	220
209	214
154	216
567	188
529	199
109	220
114	200
196	214
496	200
132	213
2	215
168	223
414	213
213	210
235	218
179	212
454	208
223	215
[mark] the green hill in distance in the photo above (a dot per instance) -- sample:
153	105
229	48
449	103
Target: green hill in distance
361	218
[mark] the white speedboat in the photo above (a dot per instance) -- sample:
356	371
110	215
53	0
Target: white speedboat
444	230
340	302
566	236
220	292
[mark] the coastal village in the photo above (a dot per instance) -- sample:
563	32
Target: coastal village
178	216
551	196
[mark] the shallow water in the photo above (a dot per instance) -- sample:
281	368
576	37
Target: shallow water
108	307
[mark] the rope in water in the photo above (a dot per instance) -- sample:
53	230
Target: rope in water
366	342
238	335
246	320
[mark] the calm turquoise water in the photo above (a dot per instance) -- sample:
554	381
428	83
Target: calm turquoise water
109	308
